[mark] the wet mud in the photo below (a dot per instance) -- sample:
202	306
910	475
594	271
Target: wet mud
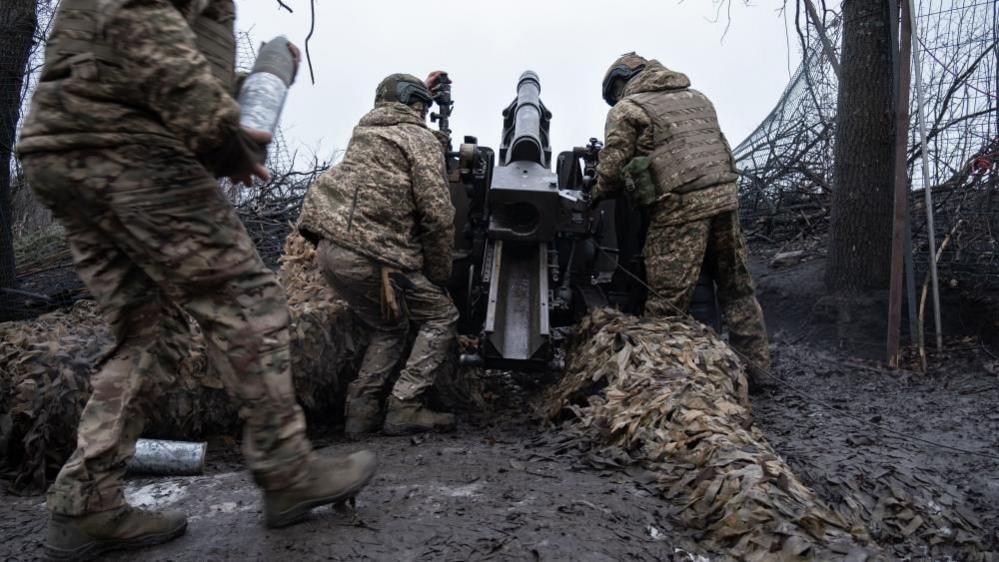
482	493
849	428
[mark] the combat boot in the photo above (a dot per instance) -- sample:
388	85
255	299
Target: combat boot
329	480
83	537
411	416
362	418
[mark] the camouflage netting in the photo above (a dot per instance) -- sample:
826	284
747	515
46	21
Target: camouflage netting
45	365
326	341
669	396
672	396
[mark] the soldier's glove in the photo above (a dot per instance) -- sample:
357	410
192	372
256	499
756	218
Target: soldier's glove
242	157
433	78
296	56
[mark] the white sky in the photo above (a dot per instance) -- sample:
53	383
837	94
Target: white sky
485	47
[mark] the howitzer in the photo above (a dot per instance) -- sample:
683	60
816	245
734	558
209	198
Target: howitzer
530	256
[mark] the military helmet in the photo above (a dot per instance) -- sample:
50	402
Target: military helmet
403	88
623	69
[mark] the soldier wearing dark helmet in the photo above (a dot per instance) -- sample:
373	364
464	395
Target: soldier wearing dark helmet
664	150
383	223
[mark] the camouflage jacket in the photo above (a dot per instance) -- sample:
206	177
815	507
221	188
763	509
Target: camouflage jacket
629	133
388	198
127	71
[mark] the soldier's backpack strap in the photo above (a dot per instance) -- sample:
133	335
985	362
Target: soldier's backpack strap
217	41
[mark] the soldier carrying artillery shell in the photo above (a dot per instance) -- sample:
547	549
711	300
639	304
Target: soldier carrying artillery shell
132	122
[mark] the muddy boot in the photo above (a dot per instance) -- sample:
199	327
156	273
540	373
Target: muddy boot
411	416
362	418
330	480
85	536
757	379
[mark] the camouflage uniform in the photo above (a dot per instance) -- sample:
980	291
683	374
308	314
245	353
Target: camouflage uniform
387	204
126	121
694	222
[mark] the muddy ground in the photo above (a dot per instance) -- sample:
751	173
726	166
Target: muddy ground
499	488
837	413
503	488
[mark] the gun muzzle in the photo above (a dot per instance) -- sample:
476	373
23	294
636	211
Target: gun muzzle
527	145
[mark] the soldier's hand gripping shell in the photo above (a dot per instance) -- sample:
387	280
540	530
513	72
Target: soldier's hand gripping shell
248	152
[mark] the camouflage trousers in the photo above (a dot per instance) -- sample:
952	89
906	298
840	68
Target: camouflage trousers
674	255
357	279
152	237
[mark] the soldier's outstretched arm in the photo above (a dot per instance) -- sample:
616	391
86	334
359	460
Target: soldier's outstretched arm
161	55
434	210
625	122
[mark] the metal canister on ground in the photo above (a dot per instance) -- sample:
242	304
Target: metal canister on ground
263	93
168	458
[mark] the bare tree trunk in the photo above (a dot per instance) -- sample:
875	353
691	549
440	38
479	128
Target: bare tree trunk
860	227
18	22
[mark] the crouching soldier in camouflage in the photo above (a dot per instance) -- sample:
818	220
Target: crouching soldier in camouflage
663	148
383	223
132	121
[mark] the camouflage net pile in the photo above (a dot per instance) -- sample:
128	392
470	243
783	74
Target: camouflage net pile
46	363
326	342
670	396
44	383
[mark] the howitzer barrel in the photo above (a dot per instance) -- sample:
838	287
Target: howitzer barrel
525	125
527	144
524	200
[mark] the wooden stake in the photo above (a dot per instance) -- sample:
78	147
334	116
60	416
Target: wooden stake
927	190
901	185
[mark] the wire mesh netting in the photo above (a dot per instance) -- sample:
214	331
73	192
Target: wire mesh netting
960	58
786	163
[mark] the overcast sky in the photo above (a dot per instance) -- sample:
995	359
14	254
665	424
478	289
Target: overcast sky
486	45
